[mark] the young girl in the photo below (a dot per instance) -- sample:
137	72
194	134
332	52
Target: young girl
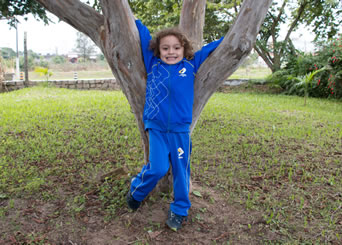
171	66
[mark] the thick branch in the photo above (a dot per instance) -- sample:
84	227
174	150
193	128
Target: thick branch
235	47
192	21
77	14
122	49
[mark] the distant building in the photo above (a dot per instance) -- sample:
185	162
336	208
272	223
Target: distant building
93	57
73	58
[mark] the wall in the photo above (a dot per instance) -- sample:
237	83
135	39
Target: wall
87	84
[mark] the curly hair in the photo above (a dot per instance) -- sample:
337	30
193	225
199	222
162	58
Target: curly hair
174	31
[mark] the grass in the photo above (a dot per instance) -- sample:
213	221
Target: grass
241	73
266	153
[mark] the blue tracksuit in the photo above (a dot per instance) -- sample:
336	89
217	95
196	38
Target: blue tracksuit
167	117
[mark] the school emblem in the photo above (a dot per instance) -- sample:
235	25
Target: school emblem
182	72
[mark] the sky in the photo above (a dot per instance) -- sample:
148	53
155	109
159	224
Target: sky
57	37
60	38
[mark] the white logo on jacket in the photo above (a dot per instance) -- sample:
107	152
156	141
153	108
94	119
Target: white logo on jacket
180	153
182	72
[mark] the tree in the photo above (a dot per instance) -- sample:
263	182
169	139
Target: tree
84	46
324	16
7	53
158	14
115	33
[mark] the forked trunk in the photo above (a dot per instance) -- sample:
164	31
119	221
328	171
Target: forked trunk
115	33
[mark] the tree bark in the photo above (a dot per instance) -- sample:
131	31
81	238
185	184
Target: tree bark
233	50
115	33
192	21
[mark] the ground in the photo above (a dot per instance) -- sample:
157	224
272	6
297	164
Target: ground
211	220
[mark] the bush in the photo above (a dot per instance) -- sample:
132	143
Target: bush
328	83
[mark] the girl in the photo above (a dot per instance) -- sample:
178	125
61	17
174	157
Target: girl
171	66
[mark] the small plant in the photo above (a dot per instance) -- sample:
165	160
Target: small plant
43	71
304	82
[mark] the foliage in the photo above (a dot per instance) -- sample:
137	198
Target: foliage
43	71
324	16
7	53
303	83
157	15
58	59
30	62
10	9
328	83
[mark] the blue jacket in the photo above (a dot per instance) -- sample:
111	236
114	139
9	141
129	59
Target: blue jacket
170	88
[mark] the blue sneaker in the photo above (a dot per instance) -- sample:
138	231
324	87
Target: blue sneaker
174	221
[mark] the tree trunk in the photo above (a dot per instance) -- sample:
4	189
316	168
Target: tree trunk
192	21
115	33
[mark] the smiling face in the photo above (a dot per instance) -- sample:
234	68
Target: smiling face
171	50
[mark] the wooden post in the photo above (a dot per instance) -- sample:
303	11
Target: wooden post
25	60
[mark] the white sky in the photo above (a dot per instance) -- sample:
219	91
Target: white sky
61	38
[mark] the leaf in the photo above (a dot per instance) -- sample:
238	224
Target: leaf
197	193
3	196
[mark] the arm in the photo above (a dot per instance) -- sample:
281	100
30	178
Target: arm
145	38
203	53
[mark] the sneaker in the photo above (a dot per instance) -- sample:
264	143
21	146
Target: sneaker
131	202
174	221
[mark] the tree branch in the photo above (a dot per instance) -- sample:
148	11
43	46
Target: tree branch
192	21
77	14
235	47
264	56
293	25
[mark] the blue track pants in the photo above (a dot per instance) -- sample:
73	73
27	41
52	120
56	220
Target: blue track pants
166	147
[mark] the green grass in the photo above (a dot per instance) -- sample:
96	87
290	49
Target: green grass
267	153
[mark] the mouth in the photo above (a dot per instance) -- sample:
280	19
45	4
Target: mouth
171	58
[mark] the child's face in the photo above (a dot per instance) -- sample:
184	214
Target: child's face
170	49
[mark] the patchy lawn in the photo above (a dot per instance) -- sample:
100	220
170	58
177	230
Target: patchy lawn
265	170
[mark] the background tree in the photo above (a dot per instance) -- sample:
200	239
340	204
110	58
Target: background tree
84	46
158	14
115	33
7	53
324	16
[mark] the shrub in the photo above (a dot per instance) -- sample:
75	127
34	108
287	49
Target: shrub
327	83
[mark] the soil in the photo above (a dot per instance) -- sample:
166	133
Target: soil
211	220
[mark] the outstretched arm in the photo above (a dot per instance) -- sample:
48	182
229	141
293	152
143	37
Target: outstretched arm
203	53
145	38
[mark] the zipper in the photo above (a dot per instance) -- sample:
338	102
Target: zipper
169	112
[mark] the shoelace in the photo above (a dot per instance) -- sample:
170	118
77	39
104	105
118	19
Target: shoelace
178	218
